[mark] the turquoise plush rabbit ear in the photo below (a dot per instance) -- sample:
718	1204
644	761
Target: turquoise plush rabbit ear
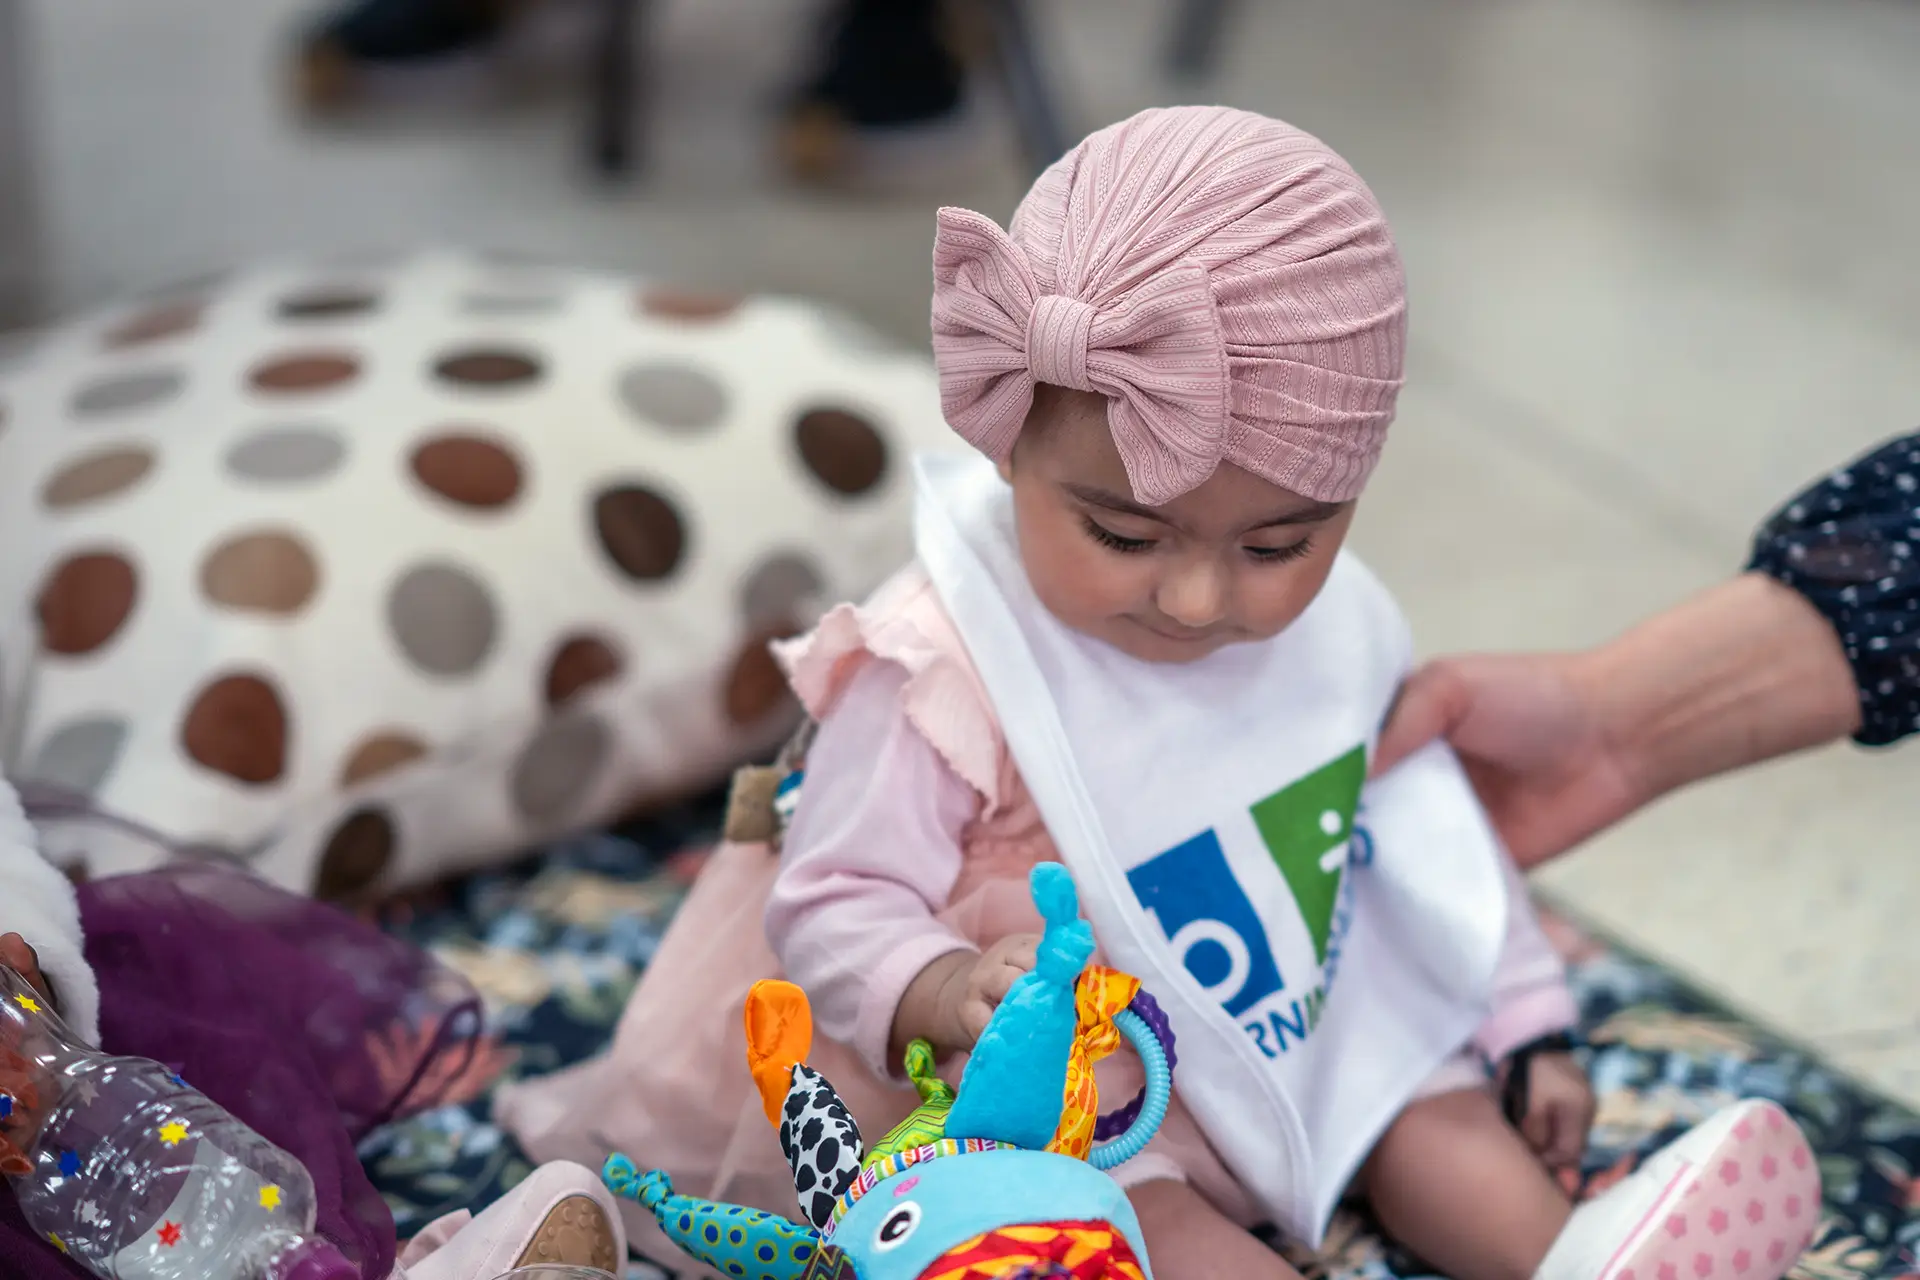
735	1241
1015	1083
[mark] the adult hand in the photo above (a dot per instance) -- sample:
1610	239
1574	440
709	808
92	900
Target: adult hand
1527	729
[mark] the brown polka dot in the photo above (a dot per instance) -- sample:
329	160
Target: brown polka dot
580	662
96	476
85	601
558	768
237	726
487	367
264	572
843	450
304	371
328	304
469	470
354	855
380	753
151	326
755	686
640	531
687	305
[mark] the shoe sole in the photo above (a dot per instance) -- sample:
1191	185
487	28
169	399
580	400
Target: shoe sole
1747	1211
576	1232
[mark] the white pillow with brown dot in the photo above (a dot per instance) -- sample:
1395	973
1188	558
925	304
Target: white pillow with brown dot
369	576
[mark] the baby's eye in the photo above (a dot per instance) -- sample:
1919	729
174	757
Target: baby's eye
1113	541
898	1227
1279	555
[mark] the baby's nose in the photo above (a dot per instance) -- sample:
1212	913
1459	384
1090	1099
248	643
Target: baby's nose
1194	595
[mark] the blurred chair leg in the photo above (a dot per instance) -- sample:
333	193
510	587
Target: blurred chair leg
1022	69
617	89
19	194
1198	27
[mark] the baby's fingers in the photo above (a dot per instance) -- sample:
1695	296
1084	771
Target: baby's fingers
1023	953
974	1015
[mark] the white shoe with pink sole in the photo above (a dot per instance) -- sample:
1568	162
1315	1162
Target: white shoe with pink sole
1737	1197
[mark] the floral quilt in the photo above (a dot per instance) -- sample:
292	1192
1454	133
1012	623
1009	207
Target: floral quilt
556	943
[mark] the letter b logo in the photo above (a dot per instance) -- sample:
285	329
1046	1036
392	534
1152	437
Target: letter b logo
1192	895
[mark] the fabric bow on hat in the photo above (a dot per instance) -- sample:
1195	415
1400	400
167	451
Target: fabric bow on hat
1225	281
1154	348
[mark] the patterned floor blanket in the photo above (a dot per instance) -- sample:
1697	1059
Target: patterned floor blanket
556	943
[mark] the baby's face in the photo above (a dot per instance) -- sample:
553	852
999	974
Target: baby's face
1234	560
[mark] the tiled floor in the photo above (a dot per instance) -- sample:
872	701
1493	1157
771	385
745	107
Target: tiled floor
1663	265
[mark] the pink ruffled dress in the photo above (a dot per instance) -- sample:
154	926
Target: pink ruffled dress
914	840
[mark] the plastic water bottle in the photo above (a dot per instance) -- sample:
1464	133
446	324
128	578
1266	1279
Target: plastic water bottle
118	1163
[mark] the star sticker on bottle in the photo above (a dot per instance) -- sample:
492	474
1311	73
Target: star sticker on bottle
173	1133
90	1213
69	1164
170	1234
270	1197
56	1242
28	1003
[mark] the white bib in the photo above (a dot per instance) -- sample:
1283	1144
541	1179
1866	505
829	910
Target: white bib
1320	943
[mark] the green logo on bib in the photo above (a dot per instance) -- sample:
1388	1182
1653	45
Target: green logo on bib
1306	828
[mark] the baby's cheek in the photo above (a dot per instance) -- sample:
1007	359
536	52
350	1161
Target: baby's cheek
1272	598
1078	581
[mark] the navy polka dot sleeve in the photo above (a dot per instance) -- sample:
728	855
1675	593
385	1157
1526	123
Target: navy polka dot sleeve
1847	544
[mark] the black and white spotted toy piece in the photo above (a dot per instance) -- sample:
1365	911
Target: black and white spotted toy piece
822	1144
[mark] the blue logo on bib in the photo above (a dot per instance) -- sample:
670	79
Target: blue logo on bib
1191	893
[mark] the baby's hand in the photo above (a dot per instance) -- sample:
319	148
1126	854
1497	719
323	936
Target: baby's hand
18	956
1560	1109
974	991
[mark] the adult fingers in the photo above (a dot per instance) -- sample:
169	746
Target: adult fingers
1431	704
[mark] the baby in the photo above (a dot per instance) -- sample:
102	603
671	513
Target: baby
1131	642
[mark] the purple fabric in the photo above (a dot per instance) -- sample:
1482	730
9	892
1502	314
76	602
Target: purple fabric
1114	1123
304	1022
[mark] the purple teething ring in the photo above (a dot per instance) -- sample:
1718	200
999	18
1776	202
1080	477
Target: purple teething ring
1114	1123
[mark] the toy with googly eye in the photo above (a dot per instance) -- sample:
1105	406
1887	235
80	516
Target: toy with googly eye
1001	1179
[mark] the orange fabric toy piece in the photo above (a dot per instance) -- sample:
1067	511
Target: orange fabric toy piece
1099	997
779	1037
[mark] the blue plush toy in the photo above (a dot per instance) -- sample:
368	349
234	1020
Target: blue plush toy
1001	1181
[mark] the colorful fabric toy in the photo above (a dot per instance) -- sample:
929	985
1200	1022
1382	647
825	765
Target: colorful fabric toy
1001	1180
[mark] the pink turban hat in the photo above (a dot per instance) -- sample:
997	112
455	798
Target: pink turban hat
1225	280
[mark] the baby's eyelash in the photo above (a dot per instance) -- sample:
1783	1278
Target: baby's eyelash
1113	541
1280	555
